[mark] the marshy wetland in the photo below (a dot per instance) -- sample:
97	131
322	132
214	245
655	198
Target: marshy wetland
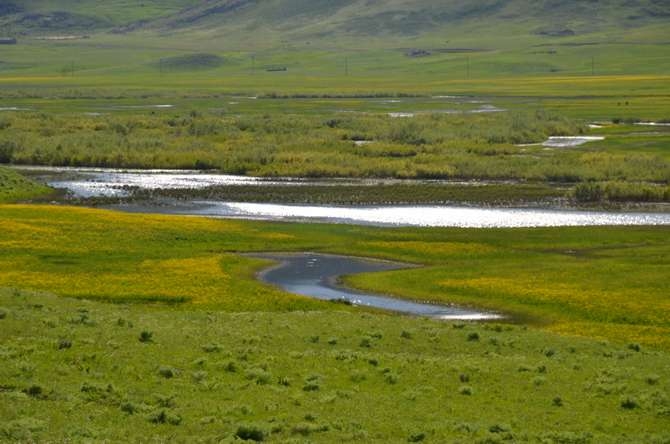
358	222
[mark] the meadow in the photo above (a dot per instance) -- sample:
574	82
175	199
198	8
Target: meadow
632	164
140	327
14	187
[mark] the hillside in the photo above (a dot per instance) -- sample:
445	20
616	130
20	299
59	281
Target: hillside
324	19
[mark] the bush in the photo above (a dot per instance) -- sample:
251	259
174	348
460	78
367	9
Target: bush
416	437
211	348
391	378
365	343
474	336
499	428
230	366
305	428
146	336
634	347
652	379
64	344
629	403
163	416
167	372
260	376
3	313
465	390
129	408
250	432
358	376
34	391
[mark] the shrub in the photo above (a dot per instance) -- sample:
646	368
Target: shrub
312	383
165	401
260	376
416	437
652	379
211	348
406	334
557	401
128	407
64	344
474	336
465	390
358	376
146	336
34	391
305	428
230	366
391	378
629	403
499	428
312	386
167	372
3	313
634	347
199	376
463	377
163	416
250	432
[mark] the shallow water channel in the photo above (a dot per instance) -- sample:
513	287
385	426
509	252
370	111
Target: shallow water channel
317	275
96	182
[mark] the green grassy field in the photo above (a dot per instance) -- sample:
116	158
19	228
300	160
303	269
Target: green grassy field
605	282
15	187
194	345
135	328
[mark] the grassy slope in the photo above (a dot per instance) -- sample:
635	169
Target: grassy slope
630	59
76	371
14	186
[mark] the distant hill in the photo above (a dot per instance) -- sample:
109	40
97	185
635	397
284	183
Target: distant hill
326	19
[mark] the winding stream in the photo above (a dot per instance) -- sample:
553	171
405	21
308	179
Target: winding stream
317	275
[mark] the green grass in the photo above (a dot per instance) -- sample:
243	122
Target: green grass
603	282
499	194
231	356
15	187
194	346
431	145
